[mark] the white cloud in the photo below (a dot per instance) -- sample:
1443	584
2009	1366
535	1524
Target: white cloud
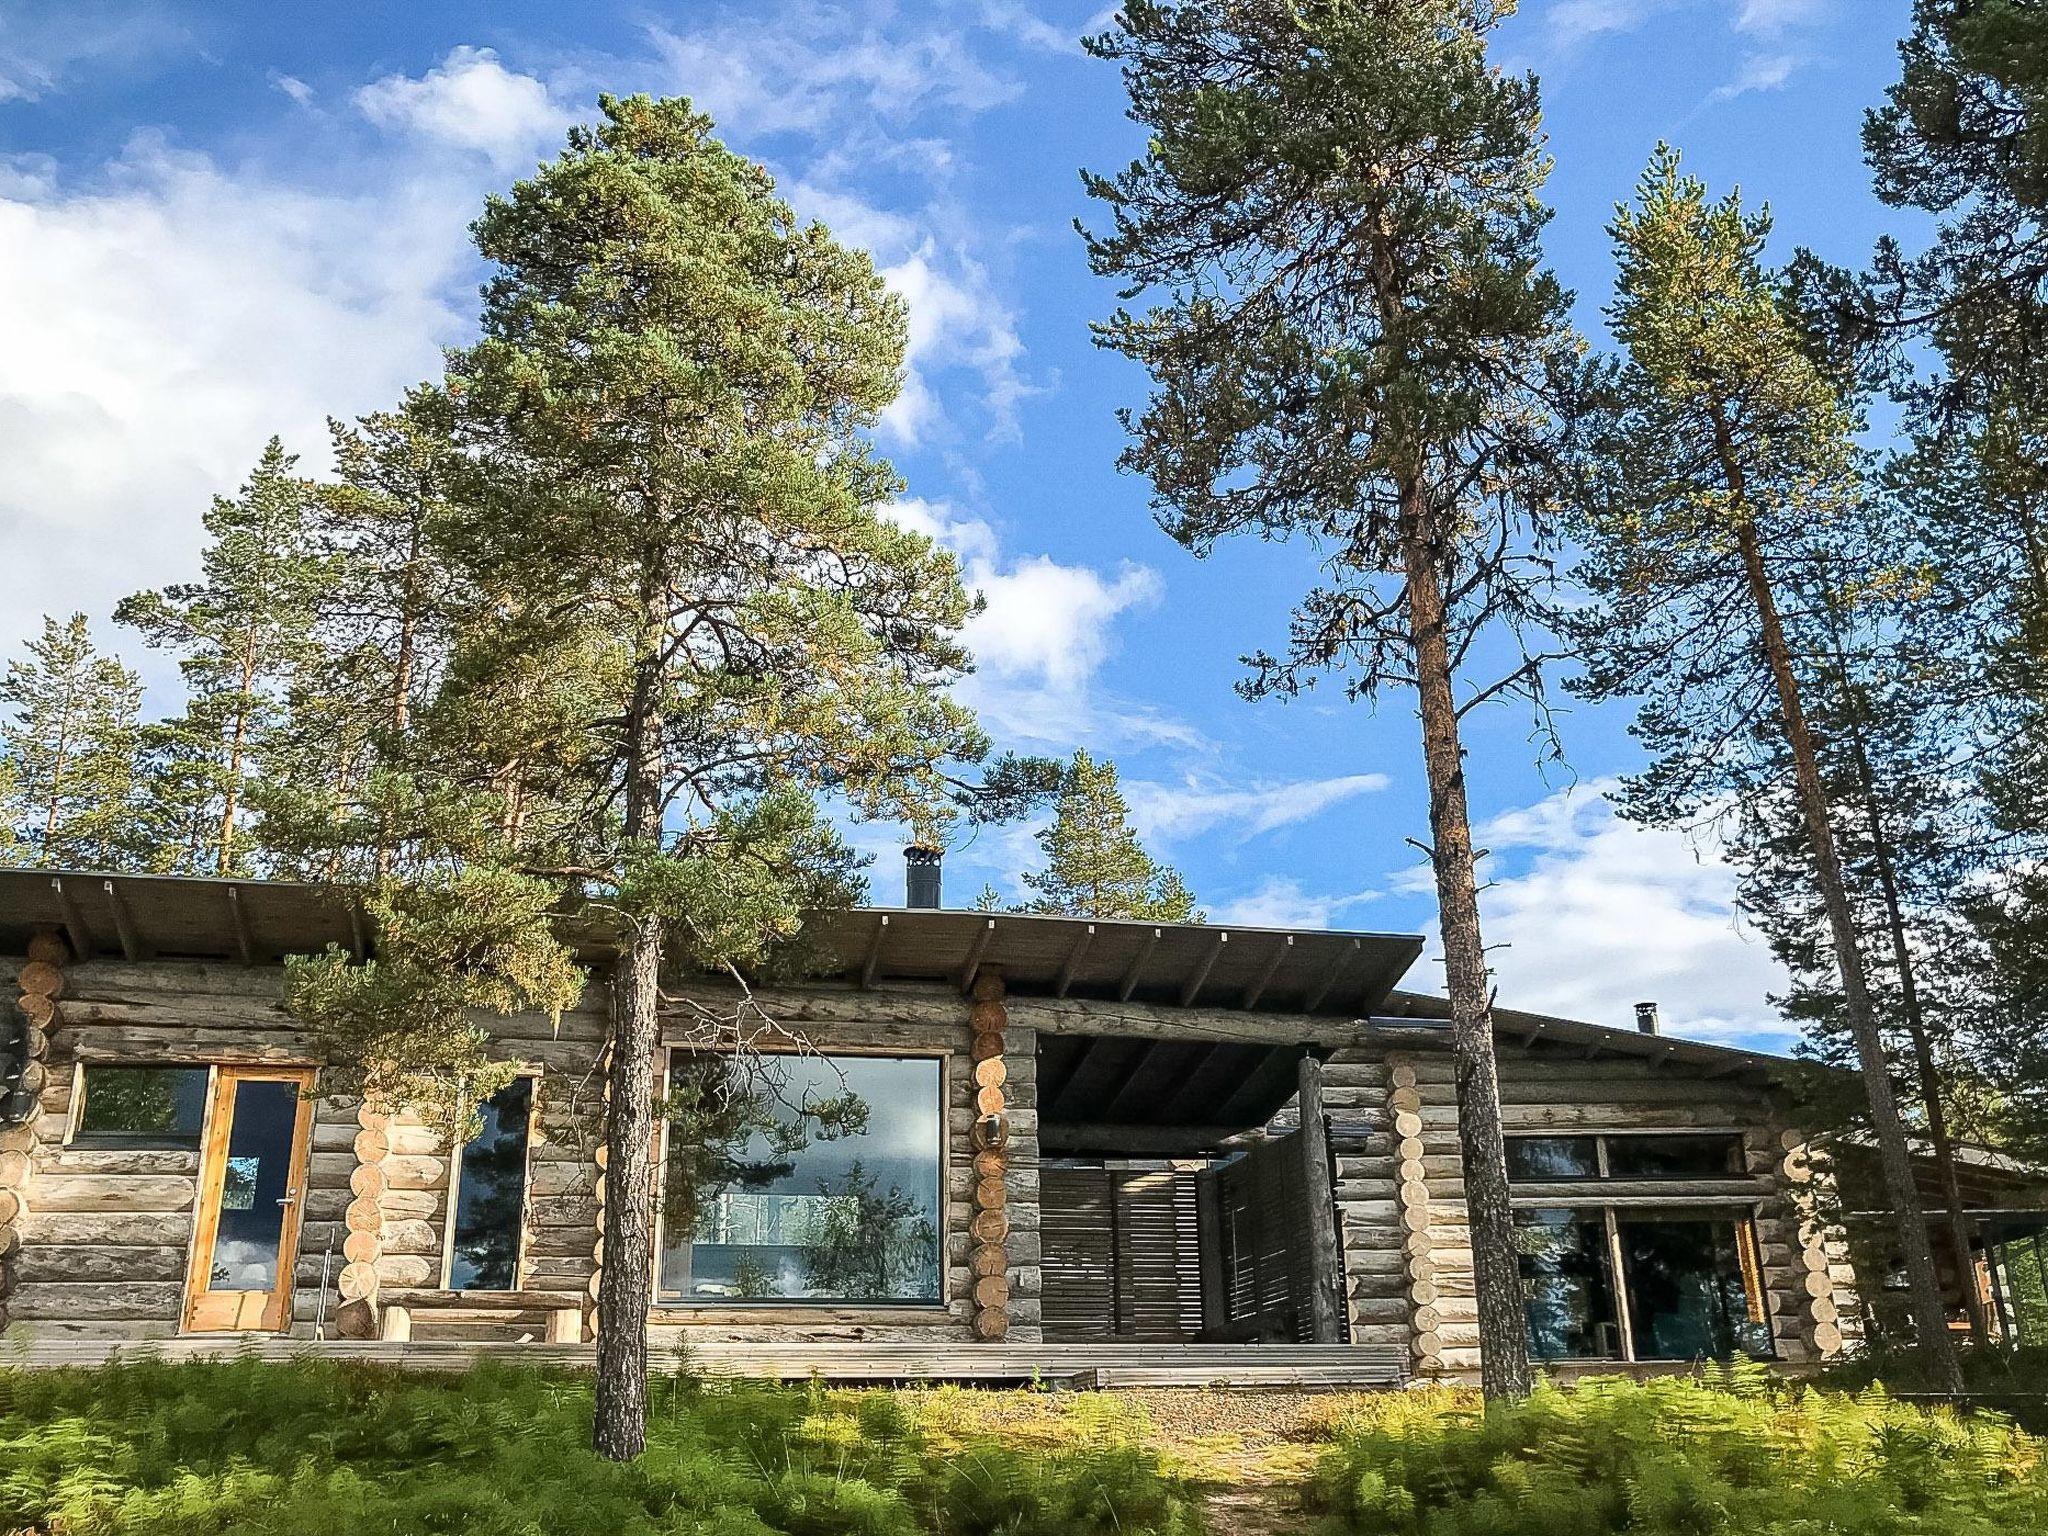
1198	803
1045	632
955	320
1772	17
44	47
293	86
1604	914
807	68
163	318
471	101
1570	23
1279	901
1760	72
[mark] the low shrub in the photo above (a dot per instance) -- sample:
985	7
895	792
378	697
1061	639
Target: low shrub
317	1448
1734	1453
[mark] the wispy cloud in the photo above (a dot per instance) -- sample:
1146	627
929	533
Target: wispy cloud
1760	72
1599	914
45	48
1772	18
1280	901
1200	803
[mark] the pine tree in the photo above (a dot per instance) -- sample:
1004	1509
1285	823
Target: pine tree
241	633
1094	864
1723	455
687	596
1354	344
344	792
70	744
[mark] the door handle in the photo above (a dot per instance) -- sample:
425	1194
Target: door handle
290	1197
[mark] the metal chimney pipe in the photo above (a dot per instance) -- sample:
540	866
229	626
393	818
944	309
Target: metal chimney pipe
1646	1019
921	877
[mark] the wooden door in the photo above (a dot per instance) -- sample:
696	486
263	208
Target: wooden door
252	1180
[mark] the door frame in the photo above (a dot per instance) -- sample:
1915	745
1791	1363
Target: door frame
213	1153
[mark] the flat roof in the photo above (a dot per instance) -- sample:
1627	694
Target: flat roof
255	922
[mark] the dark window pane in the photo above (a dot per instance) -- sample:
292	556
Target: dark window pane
158	1104
1553	1157
255	1182
804	1178
1689	1295
1674	1157
490	1206
1567	1285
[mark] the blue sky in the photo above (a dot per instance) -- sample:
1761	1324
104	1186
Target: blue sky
226	220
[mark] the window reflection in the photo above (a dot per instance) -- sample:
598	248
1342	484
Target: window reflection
803	1178
1553	1157
490	1207
1673	1157
163	1106
1568	1285
1689	1295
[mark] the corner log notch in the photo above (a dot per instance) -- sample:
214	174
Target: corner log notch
989	1262
38	985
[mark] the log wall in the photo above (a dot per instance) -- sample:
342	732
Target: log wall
1401	1190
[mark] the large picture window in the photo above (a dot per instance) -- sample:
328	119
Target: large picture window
800	1178
1655	1155
490	1194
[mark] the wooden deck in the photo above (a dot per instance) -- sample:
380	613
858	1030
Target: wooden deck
1325	1367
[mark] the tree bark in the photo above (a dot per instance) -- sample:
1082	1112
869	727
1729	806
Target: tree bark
1497	1276
1895	1157
624	1291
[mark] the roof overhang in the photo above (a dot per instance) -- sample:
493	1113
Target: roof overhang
1182	965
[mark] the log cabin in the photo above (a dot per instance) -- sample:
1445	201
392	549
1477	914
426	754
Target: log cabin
1103	1151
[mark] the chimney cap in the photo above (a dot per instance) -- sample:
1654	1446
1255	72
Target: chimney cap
1646	1018
921	875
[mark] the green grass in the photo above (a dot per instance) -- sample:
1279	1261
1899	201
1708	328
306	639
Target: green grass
324	1449
1736	1454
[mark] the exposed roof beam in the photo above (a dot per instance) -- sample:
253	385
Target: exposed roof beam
1342	964
75	926
1104	1139
873	962
1129	984
124	923
1113	1106
245	942
1189	992
1258	987
1073	962
975	951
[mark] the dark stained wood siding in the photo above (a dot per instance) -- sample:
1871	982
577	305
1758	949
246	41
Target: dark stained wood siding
1121	1254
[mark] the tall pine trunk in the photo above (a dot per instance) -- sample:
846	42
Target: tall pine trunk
625	1284
1895	1157
1926	1069
1503	1325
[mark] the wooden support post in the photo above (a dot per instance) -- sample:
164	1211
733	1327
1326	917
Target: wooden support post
1326	1256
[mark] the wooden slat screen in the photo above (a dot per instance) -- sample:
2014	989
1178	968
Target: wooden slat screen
1120	1254
1262	1204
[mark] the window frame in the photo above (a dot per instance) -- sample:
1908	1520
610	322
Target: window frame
1734	1136
1748	1257
78	1137
737	1307
454	1199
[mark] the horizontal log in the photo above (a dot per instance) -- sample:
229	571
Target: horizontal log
114	1192
62	1300
98	1263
